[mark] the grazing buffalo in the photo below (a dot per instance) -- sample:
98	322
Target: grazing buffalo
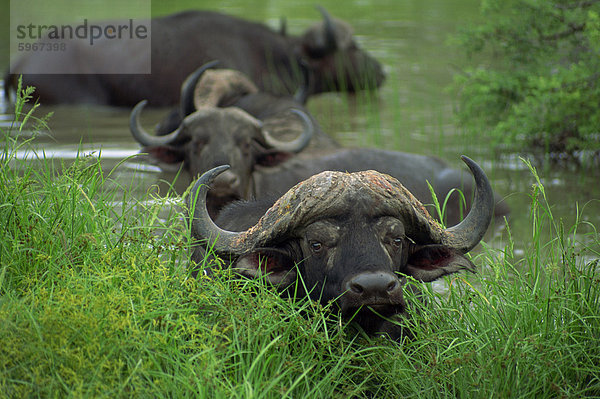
325	54
351	238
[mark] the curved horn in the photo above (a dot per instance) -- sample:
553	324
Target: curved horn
202	225
330	41
298	144
141	135
186	98
467	234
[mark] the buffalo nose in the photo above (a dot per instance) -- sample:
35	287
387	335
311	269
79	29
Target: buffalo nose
374	285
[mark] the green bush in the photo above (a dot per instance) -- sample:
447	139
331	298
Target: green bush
539	88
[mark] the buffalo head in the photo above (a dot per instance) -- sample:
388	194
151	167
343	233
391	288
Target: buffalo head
352	237
333	60
215	136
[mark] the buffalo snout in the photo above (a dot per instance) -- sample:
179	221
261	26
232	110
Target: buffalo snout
379	290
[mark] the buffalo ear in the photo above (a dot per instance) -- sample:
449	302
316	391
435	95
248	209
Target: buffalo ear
276	267
430	262
272	158
166	153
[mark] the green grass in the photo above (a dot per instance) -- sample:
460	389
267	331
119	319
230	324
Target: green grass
95	301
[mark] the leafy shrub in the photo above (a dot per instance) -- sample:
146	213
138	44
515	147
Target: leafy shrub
540	87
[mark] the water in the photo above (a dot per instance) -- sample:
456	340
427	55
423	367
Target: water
412	112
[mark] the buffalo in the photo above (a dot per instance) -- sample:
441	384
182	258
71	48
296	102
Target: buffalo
210	135
351	238
274	174
326	55
414	171
214	86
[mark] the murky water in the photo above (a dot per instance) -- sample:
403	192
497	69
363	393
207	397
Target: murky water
412	112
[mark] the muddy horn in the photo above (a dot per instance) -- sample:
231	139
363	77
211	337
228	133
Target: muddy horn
219	89
142	136
186	99
467	234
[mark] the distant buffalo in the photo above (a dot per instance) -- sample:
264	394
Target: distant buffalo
325	56
347	238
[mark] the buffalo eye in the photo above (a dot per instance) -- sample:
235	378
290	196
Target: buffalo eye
396	243
316	246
